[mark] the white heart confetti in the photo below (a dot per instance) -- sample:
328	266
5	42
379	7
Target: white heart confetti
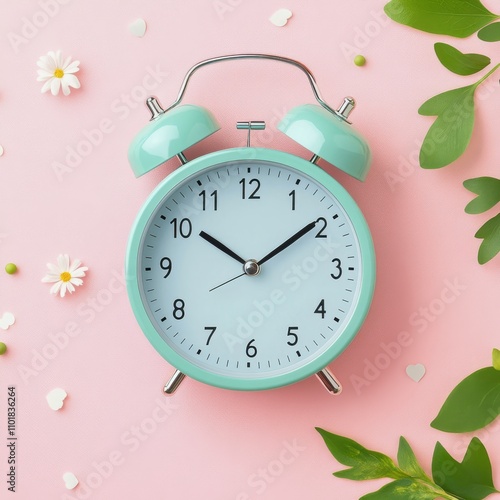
70	480
281	17
56	398
415	372
7	320
138	28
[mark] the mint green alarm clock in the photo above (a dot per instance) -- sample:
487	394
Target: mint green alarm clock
250	268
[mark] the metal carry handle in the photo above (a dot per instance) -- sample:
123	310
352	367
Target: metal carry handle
235	57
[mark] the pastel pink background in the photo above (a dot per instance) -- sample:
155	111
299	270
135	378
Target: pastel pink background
213	443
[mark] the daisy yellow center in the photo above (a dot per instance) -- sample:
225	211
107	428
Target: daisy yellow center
65	276
58	73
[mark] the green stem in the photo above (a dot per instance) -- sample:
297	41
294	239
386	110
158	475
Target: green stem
429	482
442	494
447	496
486	76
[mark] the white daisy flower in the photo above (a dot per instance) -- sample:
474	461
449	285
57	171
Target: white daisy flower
64	276
57	73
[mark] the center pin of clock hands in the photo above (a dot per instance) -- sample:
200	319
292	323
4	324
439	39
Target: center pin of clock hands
252	267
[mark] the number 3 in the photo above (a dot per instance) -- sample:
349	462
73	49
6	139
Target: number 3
338	267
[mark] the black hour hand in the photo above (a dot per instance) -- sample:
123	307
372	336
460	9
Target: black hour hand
221	247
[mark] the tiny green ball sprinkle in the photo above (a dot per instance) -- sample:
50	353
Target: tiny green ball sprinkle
3	348
359	60
10	268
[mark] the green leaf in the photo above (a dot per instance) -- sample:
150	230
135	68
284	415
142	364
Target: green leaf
364	463
488	191
490	233
404	489
459	18
496	359
490	33
473	404
459	63
408	462
450	134
470	479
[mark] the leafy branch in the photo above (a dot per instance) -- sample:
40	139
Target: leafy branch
488	191
450	134
473	404
470	479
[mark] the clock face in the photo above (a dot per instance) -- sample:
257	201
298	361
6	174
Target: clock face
251	273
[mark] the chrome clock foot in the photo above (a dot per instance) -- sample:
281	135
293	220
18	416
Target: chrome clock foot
331	384
174	382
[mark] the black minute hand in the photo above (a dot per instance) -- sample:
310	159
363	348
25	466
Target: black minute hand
288	242
221	246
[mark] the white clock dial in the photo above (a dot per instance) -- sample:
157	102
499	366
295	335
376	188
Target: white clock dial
286	309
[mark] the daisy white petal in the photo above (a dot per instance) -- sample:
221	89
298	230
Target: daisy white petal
44	63
55	84
70	287
65	87
56	287
79	273
47	63
44	75
65	63
50	278
63	262
72	81
62	291
45	71
76	281
46	86
73	67
58	59
53	268
75	265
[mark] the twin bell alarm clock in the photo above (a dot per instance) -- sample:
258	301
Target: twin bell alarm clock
250	268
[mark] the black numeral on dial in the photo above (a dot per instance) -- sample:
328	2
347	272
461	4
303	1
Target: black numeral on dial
212	195
166	265
322	221
179	305
251	350
292	195
253	195
184	228
338	269
291	333
321	309
210	329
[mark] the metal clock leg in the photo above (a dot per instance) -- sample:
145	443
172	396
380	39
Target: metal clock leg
331	384
174	382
